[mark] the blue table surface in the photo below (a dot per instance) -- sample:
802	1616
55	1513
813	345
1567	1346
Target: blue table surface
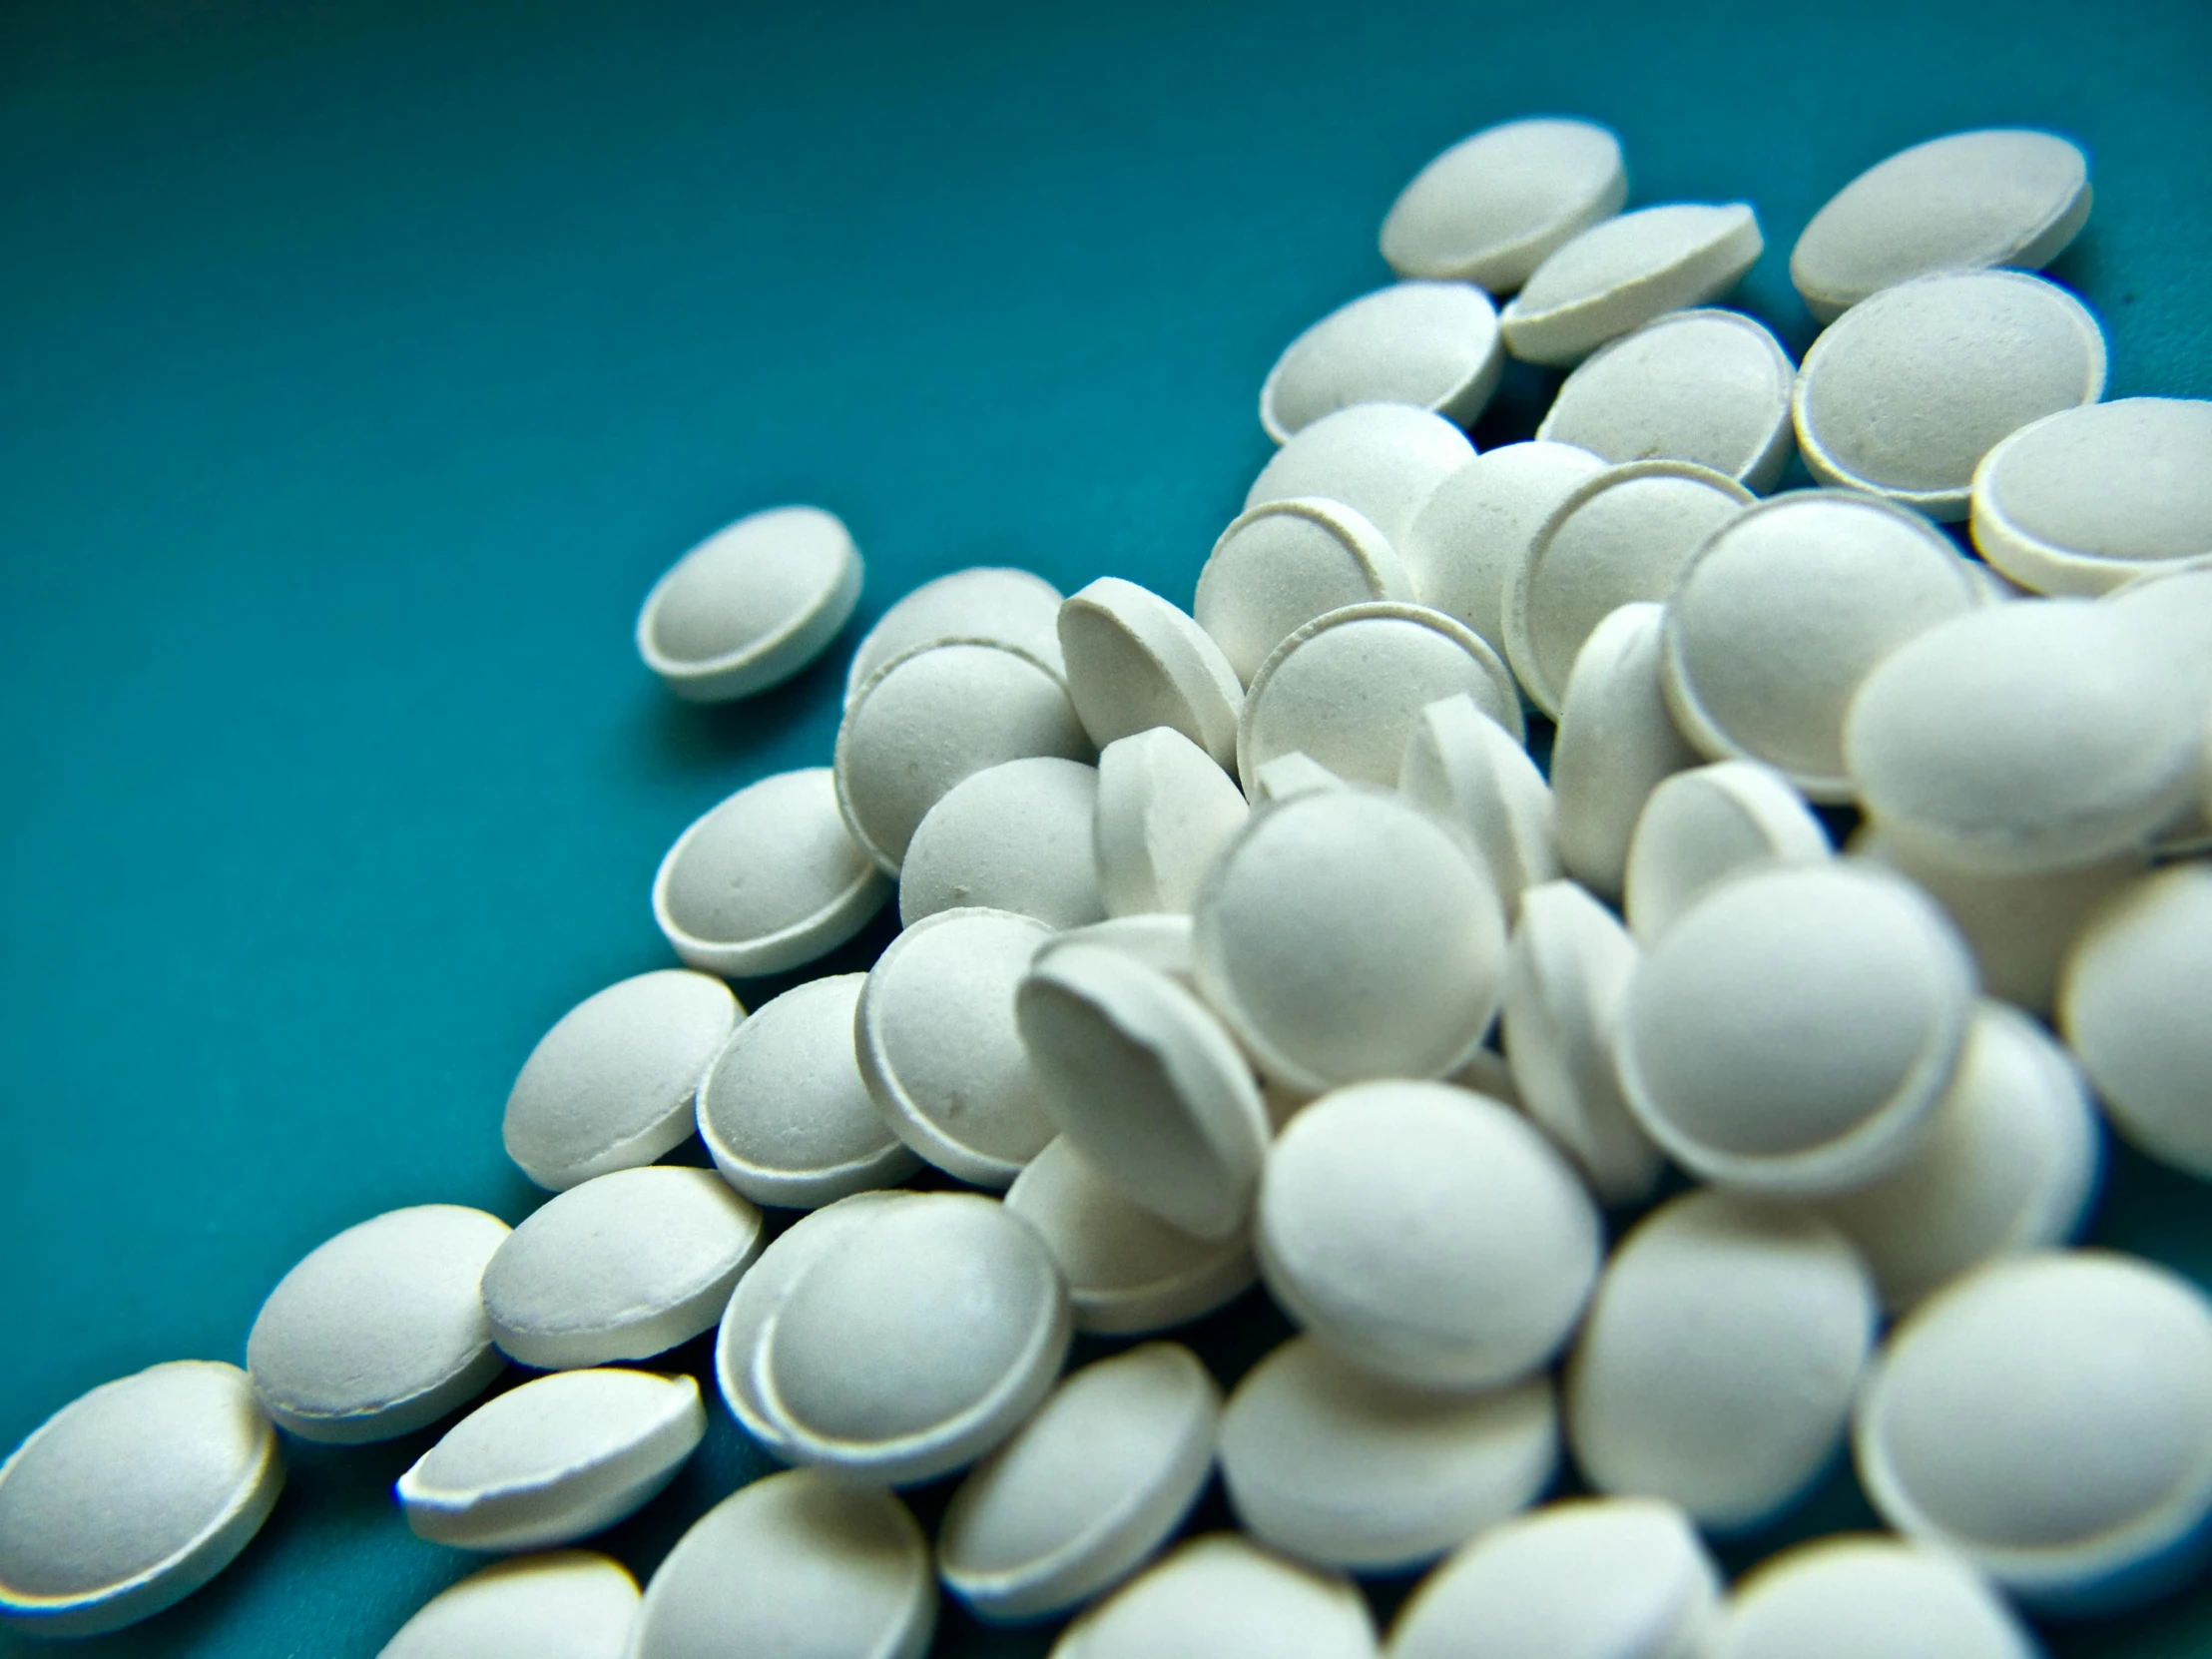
365	364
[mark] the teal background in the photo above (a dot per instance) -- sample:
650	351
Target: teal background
361	366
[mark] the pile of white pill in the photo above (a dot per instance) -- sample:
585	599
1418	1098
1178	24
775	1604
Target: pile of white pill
1249	946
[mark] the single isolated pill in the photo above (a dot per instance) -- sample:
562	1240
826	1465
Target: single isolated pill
2006	196
1087	1490
1904	393
1587	1578
132	1496
784	1110
1493	205
1717	1365
1621	272
1160	940
382	1329
768	881
1013	837
613	1085
1479	524
751	605
1625	534
1866	1597
1430	344
915	1341
1135	662
1710	387
622	1267
563	1604
1470	770
1221	1597
987	602
554	1460
1706	825
1339	1467
939	1049
1381	459
1164	809
1794	1029
2049	1419
794	1564
1281	563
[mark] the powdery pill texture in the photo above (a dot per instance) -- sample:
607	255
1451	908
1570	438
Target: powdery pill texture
987	602
1135	662
1013	837
1706	825
1430	344
1164	809
1281	563
565	1605
1868	1597
1381	459
1621	272
1462	766
1493	205
1219	1596
752	605
132	1496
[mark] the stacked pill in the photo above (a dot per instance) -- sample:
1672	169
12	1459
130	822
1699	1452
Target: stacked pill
1609	1129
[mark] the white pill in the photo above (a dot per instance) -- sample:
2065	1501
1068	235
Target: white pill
1566	974
1128	1272
1616	742
1283	563
768	881
1905	392
1219	1596
988	602
1164	809
2028	737
915	1341
564	1604
1089	1488
784	1111
382	1329
1159	940
2084	499
1792	1030
1430	344
132	1496
1486	1074
940	1051
1347	688
1717	1364
553	1460
2049	1419
1379	459
1624	534
1621	272
1427	1235
612	1086
1866	1597
1708	386
1347	934
2009	1162
1135	662
934	716
1468	769
2132	1005
751	605
2000	197
1480	523
1491	208
1588	1578
1704	826
1296	772
797	1563
1013	837
621	1268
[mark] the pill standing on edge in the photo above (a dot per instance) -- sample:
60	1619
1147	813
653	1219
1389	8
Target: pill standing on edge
1706	825
1430	344
1135	662
1221	1597
1281	563
985	602
1160	940
1014	836
1491	208
1621	272
1164	809
1468	769
564	1604
1381	459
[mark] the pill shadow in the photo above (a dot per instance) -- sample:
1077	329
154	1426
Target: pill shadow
673	740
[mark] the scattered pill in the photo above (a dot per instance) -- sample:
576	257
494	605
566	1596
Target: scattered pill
1866	1597
1219	1596
987	602
1164	809
1462	766
1281	564
1159	940
751	605
1381	459
1478	525
1702	827
1493	205
564	1604
1621	272
1430	344
1013	837
1135	662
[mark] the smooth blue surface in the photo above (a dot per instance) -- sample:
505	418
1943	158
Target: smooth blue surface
363	365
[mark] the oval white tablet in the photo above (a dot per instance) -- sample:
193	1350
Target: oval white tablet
1717	1364
751	605
1624	534
784	1111
2004	196
915	1341
1906	391
2105	1356
1164	809
1489	209
768	881
1345	934
1013	837
1379	459
612	1085
621	1268
382	1329
1135	662
1430	344
564	1604
1704	826
1468	769
132	1496
1480	523
1219	1596
1281	564
1621	272
939	1048
987	602
1708	386
1868	1597
1089	1487
554	1460
794	1564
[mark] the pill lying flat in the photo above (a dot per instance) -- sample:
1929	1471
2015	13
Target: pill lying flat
1013	837
565	1605
1462	766
987	602
1430	344
1491	208
1381	459
132	1496
751	605
1704	826
1219	1596
1866	1597
1281	564
1621	272
1164	808
1135	662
